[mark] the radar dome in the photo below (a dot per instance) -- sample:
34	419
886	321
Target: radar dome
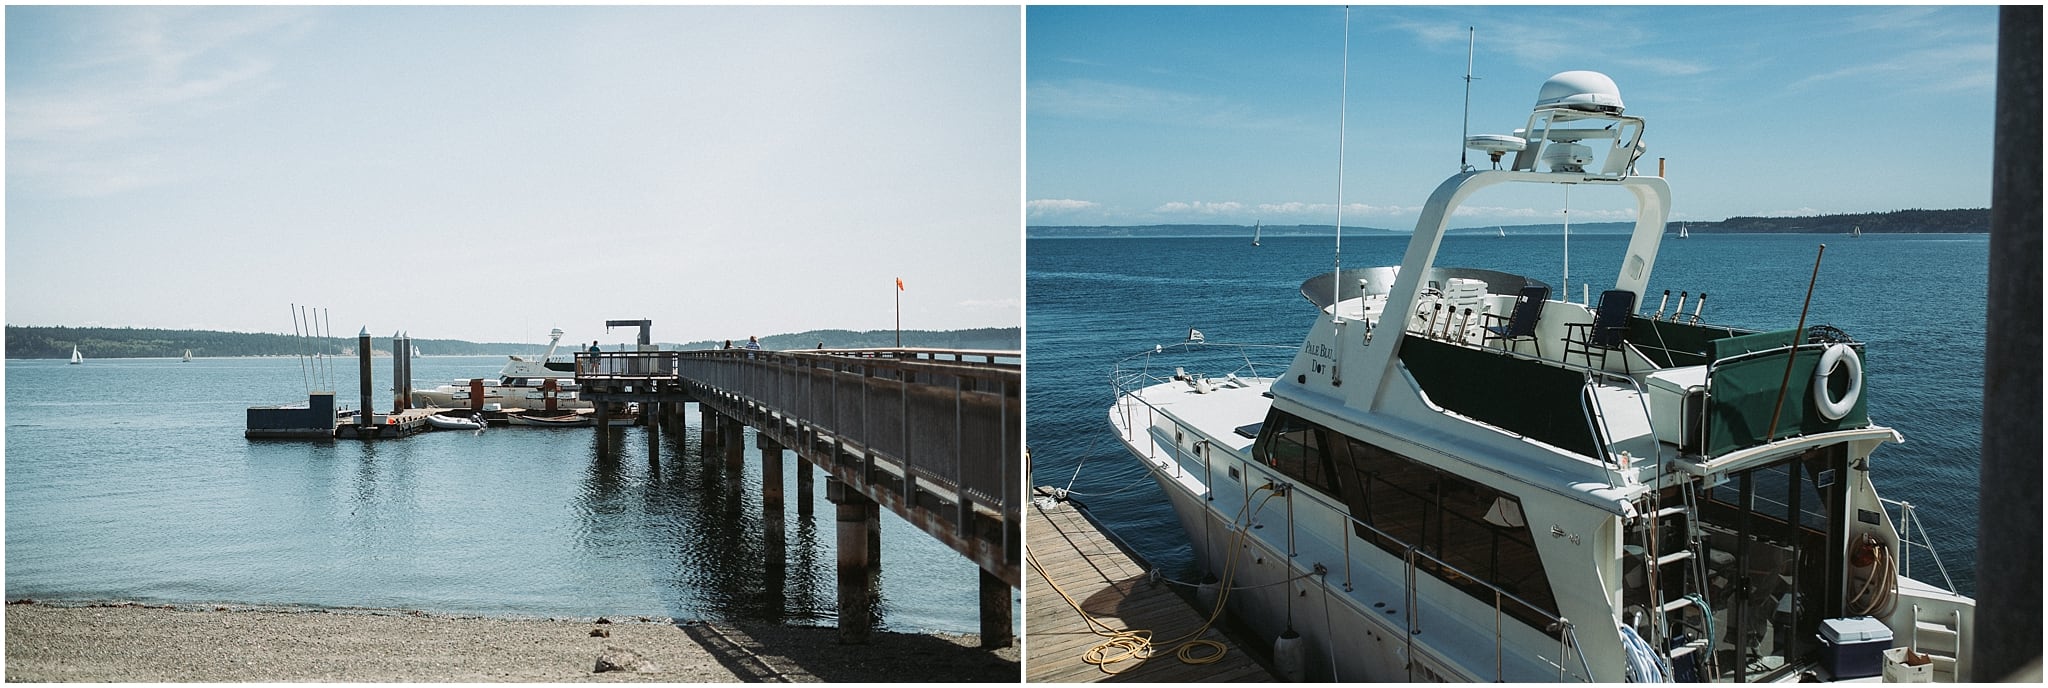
1580	90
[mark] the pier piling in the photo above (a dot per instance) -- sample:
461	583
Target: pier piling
653	421
860	560
733	438
771	477
995	611
804	491
367	416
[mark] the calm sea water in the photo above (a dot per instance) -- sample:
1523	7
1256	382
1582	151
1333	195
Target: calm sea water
1916	300
130	479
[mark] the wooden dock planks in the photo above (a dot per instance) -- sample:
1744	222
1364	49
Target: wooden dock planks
1114	589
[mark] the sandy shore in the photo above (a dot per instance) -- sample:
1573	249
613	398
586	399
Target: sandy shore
127	642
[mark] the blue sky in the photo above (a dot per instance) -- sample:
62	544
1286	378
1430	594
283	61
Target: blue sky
1229	115
489	173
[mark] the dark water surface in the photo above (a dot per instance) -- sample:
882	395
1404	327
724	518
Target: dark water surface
1916	300
130	479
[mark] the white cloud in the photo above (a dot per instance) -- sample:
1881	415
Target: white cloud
1200	207
79	124
1328	210
1044	206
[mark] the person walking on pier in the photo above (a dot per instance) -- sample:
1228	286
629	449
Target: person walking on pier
753	345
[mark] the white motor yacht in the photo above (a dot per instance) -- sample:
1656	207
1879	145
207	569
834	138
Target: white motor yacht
1461	477
521	384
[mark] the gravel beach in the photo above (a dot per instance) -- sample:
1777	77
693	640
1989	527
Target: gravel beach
129	642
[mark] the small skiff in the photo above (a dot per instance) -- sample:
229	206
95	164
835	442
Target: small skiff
567	420
455	423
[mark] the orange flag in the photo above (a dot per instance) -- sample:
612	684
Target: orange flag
899	284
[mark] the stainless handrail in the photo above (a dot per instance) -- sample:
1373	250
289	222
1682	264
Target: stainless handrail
1908	520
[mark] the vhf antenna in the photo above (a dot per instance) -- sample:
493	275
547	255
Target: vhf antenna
1465	130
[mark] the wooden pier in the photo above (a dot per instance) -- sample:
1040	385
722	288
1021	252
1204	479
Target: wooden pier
932	435
1114	589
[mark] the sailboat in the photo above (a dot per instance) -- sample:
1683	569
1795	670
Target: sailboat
75	357
188	356
1857	232
1255	233
1503	232
1684	231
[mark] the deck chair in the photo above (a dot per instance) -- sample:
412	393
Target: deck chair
1605	333
1519	323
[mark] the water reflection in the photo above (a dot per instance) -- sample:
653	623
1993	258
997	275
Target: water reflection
714	553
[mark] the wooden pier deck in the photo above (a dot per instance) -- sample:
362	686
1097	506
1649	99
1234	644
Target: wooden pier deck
1114	589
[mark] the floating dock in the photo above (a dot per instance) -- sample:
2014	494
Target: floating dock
1111	586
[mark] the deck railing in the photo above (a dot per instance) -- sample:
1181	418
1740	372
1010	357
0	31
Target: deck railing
948	418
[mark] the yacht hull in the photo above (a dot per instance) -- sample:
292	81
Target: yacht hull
1341	640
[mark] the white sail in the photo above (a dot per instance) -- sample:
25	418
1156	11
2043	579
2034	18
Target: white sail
188	356
75	357
1255	233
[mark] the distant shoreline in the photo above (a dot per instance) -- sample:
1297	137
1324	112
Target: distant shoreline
34	342
1482	232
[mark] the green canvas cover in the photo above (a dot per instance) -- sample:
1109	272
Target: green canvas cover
1672	344
1743	392
1525	397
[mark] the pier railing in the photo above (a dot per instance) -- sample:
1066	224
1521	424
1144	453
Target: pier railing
949	419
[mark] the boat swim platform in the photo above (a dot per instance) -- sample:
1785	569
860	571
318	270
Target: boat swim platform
1113	587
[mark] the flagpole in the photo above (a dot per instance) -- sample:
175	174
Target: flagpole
899	312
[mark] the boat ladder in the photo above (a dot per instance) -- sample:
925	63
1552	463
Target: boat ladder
1685	613
1941	639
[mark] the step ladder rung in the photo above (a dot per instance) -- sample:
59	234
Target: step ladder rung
1688	648
1670	511
1930	627
1680	555
1675	605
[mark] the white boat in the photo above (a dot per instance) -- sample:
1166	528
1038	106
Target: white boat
1684	231
564	420
1255	232
521	384
188	356
75	357
1857	232
455	423
1458	478
1503	232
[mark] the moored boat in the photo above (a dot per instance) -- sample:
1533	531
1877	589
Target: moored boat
566	420
1458	477
521	384
446	422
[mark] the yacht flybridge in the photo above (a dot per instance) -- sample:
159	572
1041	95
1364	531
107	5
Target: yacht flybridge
1462	477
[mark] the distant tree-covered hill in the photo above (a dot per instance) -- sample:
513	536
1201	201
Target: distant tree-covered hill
1966	220
128	342
1066	232
131	342
1916	221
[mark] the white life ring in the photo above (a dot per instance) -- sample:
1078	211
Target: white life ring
1836	409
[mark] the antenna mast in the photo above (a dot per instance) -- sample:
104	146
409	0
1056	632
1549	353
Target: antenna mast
1465	130
1344	81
